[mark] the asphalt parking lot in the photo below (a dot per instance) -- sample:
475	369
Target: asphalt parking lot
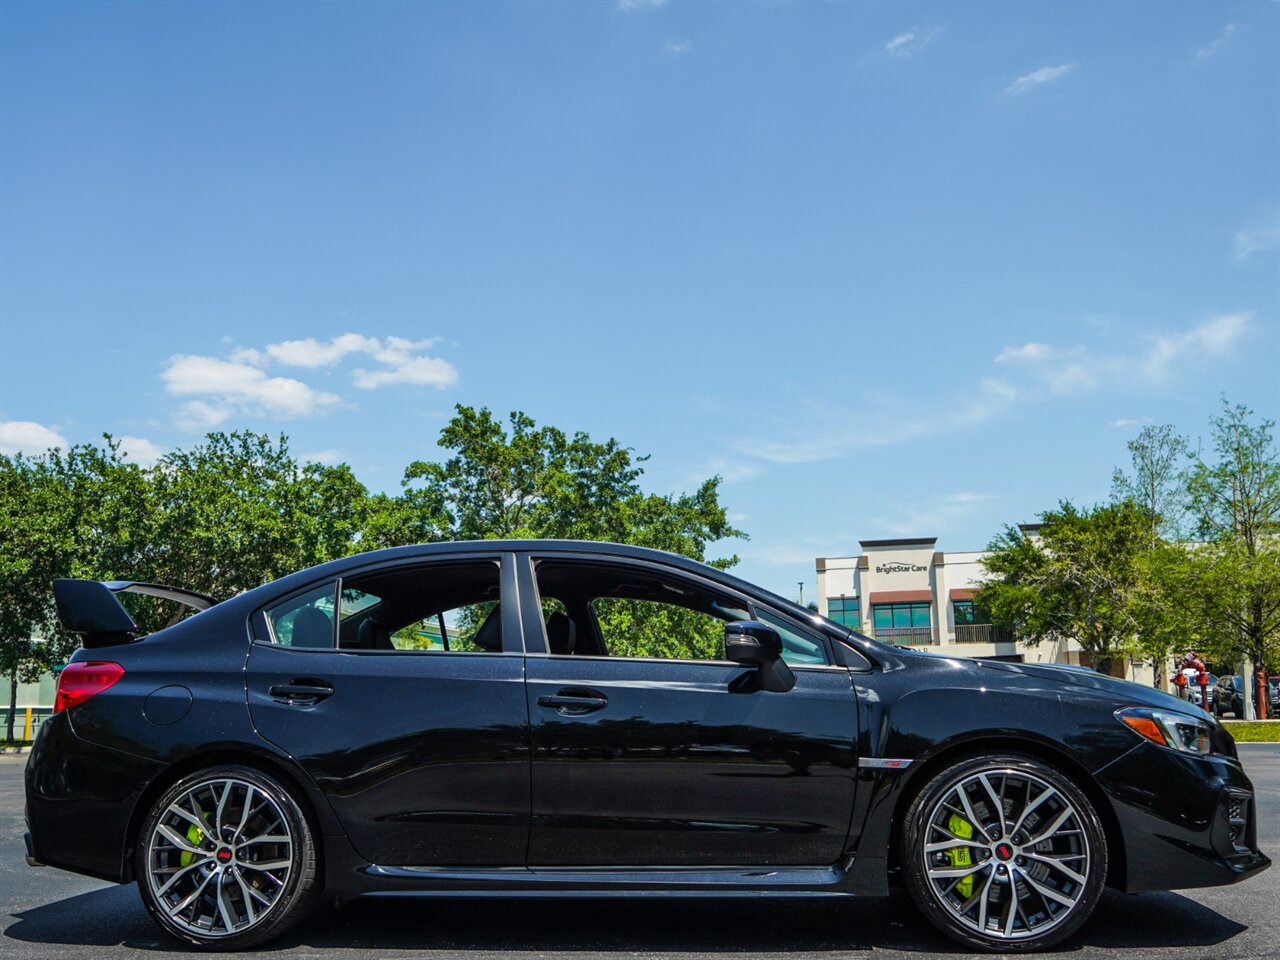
49	913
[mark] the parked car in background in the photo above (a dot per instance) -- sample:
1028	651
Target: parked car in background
1193	689
1230	697
475	719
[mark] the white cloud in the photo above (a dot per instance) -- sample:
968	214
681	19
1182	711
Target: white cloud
313	353
402	359
402	364
1065	371
224	387
1062	370
140	450
1028	351
200	415
1215	337
631	6
1037	371
1253	240
241	384
1210	49
326	457
29	437
1128	422
906	45
674	48
1038	78
832	437
801	552
936	517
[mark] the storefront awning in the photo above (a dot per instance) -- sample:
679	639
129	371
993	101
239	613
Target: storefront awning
902	596
965	593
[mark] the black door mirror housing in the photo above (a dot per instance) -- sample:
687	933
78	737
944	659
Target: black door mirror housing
756	644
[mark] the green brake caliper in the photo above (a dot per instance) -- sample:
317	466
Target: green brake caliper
960	856
196	836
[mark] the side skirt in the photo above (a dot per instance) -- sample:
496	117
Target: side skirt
834	881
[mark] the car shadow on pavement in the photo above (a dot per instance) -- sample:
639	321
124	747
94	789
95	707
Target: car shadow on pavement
685	926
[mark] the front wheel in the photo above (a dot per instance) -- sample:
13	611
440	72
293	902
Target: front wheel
226	859
1004	853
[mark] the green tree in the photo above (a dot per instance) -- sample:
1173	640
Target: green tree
1234	572
1156	483
532	481
36	546
239	510
1077	578
524	481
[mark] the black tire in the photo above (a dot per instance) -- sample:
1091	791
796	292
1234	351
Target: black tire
246	876
1040	853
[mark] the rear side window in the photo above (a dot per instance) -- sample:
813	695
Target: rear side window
433	608
305	620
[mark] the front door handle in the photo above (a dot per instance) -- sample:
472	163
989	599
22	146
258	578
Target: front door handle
572	702
302	692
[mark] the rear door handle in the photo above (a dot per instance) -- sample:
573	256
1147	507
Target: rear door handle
303	692
571	702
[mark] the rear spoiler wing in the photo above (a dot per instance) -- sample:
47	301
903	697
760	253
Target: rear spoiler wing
91	608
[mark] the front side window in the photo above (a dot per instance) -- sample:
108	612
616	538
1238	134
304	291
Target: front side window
305	620
798	648
652	628
603	609
618	611
433	608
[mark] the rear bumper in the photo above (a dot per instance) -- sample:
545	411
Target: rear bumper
1185	821
31	860
79	797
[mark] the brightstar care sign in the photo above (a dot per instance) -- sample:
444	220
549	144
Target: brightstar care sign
900	568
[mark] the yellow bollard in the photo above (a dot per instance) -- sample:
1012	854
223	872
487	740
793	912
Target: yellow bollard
26	731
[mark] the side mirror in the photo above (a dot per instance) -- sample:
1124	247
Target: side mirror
756	644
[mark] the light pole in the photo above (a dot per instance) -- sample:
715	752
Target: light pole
800	584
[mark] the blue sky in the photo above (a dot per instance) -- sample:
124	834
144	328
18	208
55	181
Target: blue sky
899	269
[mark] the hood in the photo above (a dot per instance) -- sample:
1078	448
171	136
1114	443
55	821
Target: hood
1123	690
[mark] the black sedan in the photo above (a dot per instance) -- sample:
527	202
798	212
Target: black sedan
476	719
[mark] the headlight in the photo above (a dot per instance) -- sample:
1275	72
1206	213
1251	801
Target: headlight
1177	731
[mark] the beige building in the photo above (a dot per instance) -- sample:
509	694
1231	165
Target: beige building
909	593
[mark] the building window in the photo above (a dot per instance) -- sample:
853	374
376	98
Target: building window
898	616
904	623
973	624
844	610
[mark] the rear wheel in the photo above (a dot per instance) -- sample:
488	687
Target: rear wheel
1004	853
226	859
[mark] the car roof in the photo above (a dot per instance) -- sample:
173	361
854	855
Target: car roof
586	548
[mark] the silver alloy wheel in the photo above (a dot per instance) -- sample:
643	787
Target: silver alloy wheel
219	857
1006	854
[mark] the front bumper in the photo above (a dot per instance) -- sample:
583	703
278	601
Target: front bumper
1185	821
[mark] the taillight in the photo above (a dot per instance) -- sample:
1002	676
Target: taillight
79	681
